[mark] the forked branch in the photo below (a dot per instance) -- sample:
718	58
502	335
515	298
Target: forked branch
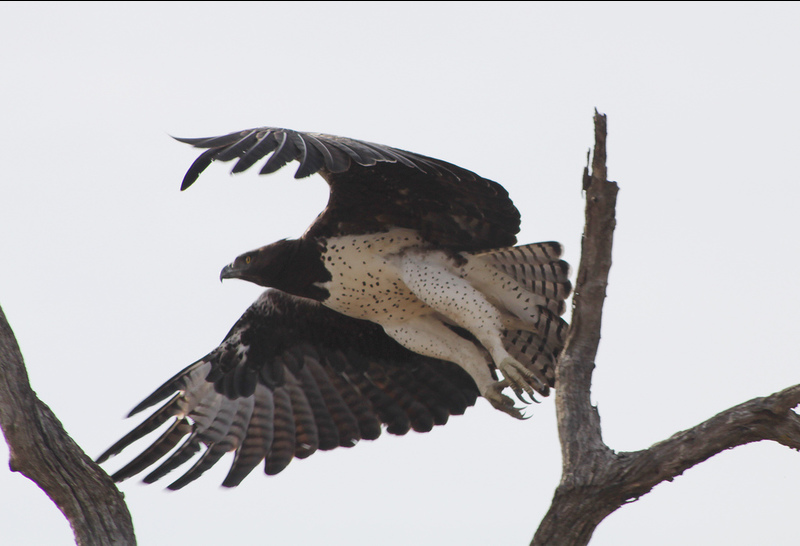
595	480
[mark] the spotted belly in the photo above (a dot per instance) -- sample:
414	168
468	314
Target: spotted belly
366	280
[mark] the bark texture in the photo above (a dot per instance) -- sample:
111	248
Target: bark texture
42	451
596	480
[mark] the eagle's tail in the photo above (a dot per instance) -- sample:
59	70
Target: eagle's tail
537	298
538	267
530	351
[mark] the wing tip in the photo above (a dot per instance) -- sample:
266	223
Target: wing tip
186	140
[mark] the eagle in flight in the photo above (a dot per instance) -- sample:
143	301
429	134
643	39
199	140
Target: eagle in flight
397	307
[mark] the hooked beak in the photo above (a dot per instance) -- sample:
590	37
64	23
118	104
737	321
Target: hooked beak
228	272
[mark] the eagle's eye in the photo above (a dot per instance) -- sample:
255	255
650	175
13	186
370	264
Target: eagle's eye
247	259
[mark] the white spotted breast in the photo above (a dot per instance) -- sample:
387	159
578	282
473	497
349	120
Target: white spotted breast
365	276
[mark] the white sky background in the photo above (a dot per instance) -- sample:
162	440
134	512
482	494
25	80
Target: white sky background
109	274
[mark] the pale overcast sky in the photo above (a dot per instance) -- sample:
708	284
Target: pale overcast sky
110	274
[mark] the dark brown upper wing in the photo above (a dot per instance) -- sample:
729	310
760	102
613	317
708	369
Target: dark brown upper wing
291	377
375	187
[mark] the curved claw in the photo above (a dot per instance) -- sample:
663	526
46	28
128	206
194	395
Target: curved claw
502	402
518	377
521	396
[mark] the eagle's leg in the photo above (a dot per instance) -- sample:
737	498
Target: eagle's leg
527	310
431	278
428	336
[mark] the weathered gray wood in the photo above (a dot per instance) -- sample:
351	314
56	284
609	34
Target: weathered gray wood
41	450
595	480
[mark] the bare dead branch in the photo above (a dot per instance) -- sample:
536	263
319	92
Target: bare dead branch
595	480
41	450
578	421
767	418
573	516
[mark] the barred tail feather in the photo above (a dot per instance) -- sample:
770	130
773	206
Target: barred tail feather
532	253
529	349
536	296
537	266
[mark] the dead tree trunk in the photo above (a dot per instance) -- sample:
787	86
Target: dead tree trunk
42	451
596	480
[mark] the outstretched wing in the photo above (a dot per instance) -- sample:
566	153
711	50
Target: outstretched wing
375	187
291	377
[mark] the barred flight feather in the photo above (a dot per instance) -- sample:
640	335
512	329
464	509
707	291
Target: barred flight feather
306	433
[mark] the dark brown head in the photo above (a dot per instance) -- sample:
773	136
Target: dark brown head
292	265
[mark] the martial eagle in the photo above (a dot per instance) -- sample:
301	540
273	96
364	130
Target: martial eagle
397	307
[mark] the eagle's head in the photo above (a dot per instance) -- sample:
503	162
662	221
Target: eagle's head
291	265
265	266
